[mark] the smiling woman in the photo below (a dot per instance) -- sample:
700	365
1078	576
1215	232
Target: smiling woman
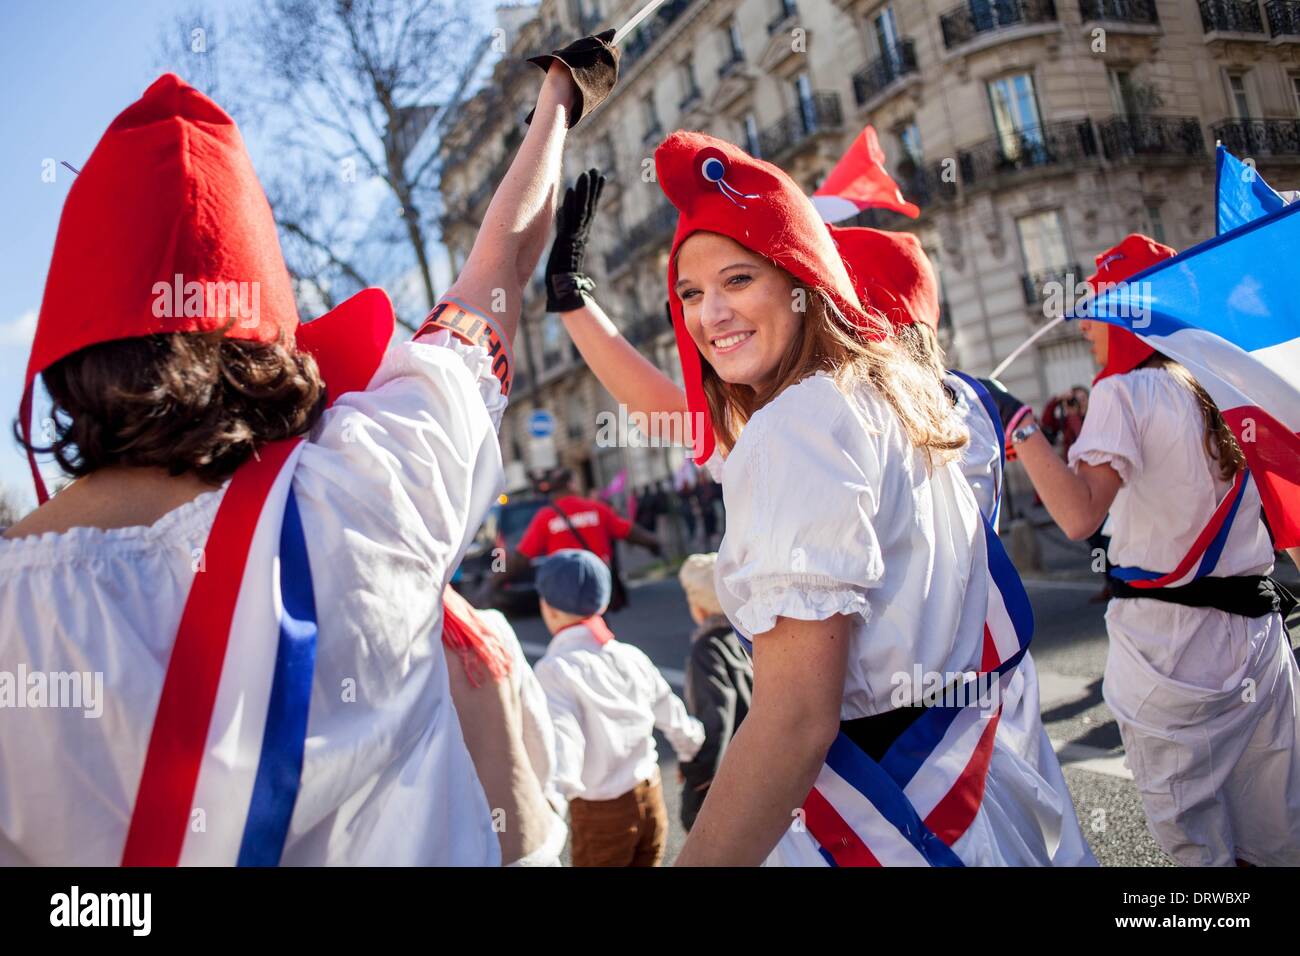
854	548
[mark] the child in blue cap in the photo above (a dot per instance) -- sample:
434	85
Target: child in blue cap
606	699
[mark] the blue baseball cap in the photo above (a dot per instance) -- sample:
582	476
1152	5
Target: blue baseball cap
575	582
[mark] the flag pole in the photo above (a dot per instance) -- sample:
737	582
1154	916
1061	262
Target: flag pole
621	34
1025	344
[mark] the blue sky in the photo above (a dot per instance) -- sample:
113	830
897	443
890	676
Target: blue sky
67	69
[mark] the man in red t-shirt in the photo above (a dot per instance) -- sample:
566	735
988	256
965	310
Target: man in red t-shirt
597	525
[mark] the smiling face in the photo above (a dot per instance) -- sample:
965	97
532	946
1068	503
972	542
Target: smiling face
738	306
1099	338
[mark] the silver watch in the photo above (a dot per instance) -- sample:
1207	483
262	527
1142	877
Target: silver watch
1023	432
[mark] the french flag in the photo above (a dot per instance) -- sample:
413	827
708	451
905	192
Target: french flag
1227	311
860	181
224	763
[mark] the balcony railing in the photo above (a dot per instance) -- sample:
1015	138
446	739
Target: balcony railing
1231	16
818	114
895	63
654	228
1120	11
731	65
964	23
1052	144
1259	137
1038	285
1124	137
652	29
788	9
1283	18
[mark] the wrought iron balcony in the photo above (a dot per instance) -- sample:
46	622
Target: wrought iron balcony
654	228
964	23
731	65
1038	285
1125	137
1283	18
788	10
820	113
1120	11
651	30
1231	16
894	64
1052	144
1259	137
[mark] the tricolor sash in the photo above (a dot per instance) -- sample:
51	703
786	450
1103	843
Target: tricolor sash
1203	556
990	409
910	806
222	771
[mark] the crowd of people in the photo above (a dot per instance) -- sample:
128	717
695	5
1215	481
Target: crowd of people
255	550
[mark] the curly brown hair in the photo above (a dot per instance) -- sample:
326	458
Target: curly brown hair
187	402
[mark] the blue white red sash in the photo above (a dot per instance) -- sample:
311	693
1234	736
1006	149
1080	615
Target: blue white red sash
990	409
222	771
1202	558
911	806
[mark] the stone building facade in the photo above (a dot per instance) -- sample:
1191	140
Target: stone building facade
1034	134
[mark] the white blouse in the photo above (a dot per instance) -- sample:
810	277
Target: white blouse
1150	429
391	486
831	511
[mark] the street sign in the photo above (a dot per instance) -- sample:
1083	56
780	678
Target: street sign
541	424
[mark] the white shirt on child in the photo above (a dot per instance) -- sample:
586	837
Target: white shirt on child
391	486
605	702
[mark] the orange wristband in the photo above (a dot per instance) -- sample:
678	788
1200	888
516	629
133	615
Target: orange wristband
476	329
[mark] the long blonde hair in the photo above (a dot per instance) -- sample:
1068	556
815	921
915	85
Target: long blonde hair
1219	441
899	370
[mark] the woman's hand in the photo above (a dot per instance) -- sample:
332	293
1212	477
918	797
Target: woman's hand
772	762
566	277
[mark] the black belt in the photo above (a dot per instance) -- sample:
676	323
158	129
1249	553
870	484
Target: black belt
1249	595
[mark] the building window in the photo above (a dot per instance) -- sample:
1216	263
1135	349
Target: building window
690	89
751	136
1047	254
651	114
804	97
1238	95
884	28
909	137
734	47
1122	94
1157	223
1295	91
1015	113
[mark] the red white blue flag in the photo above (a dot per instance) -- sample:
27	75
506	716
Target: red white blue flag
1227	309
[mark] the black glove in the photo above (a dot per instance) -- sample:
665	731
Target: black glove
1008	405
565	278
593	64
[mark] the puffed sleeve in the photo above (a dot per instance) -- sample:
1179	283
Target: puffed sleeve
802	499
415	456
1110	434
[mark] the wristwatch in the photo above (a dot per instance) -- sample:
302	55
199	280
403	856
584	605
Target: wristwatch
1023	432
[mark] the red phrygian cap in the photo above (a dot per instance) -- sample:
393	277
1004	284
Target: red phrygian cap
718	187
892	274
1125	351
169	191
